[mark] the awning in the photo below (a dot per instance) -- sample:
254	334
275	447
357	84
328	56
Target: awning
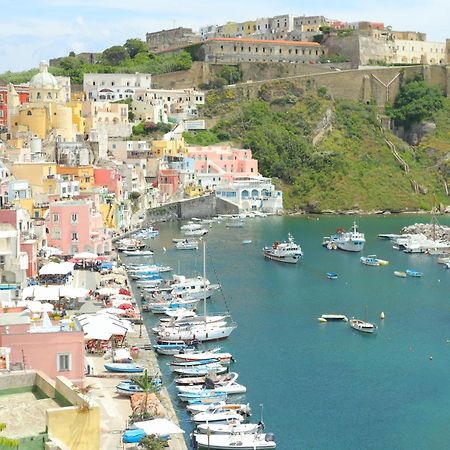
85	255
159	427
56	268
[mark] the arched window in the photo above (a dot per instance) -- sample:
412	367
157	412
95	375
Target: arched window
255	193
29	113
38	96
244	194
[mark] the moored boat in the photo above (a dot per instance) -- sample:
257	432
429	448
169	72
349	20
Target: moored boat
361	325
286	252
400	274
333	317
350	241
187	244
413	273
255	441
138	252
216	428
370	260
332	275
123	367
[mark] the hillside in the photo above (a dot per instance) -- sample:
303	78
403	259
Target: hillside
350	167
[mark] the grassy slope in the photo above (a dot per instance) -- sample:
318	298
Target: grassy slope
362	172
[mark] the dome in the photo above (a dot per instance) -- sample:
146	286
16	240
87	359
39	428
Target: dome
44	79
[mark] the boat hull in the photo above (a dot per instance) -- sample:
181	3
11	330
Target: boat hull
284	259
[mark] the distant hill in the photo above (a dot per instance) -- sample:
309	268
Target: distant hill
331	154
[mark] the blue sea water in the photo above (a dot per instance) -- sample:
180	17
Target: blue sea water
326	386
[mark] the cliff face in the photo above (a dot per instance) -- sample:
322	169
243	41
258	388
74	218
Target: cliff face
330	154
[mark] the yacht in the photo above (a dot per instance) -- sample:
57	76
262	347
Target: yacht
287	252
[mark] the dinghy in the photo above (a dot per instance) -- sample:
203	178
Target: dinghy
123	367
216	428
399	274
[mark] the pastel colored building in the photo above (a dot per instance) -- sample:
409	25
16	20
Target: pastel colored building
104	116
162	148
217	164
168	182
41	176
83	174
109	179
77	226
13	261
11	96
55	350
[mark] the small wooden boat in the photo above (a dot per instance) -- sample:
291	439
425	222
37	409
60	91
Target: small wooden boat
333	317
400	274
332	275
123	367
128	387
413	273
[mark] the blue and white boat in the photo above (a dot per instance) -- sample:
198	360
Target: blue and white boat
413	273
123	367
202	370
201	362
370	261
216	396
174	348
129	387
332	275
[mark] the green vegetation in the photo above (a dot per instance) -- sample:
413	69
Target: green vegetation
128	58
416	102
147	129
153	442
350	166
7	442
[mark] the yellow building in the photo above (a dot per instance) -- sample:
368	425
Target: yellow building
108	212
83	174
169	148
193	191
40	175
25	203
77	116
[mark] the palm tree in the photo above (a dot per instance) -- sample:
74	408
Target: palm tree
7	442
146	383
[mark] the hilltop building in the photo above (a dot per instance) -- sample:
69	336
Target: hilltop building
11	97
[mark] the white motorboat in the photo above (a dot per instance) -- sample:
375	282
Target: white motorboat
218	415
187	245
255	441
230	387
138	252
287	252
363	326
172	305
231	428
201	332
225	358
202	370
242	408
191	227
350	241
199	232
148	283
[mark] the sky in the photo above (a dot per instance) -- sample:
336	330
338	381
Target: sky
33	30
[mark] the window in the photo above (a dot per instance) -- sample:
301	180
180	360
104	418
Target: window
1	113
55	218
74	218
74	236
64	362
56	234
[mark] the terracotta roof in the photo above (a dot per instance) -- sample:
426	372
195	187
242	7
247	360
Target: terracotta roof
267	41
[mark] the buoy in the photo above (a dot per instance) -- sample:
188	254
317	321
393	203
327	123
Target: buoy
382	315
431	358
448	341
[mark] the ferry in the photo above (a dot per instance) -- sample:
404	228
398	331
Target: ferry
286	252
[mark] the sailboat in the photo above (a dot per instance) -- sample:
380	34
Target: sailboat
362	325
202	330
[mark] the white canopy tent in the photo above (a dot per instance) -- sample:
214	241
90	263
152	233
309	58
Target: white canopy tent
108	291
53	293
159	427
53	268
85	255
95	324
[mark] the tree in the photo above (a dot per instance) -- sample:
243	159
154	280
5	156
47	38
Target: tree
72	53
231	73
135	46
152	442
416	101
7	442
115	55
146	383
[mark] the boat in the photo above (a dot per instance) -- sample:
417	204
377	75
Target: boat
123	367
361	325
247	241
218	415
191	381
199	232
187	244
350	241
191	227
133	436
333	317
212	397
231	428
177	364
332	275
400	274
173	348
443	260
413	273
128	387
202	370
370	260
224	358
235	223
230	386
138	252
241	408
287	252
255	441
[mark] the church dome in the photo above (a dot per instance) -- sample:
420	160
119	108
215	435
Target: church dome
44	79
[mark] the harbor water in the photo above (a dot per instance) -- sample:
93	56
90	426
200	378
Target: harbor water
326	386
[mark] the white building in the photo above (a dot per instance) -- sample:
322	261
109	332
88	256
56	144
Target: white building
13	262
114	86
252	194
158	105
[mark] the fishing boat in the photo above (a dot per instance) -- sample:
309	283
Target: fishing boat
413	273
370	260
332	275
350	241
286	252
255	441
211	397
230	386
361	325
400	274
187	244
123	367
191	381
138	252
231	428
333	317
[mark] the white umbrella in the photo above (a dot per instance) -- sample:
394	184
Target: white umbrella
56	268
85	255
108	291
116	311
35	306
50	293
73	292
159	426
52	251
96	333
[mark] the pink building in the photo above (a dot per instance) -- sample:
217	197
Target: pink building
77	226
168	181
217	164
55	350
110	179
30	247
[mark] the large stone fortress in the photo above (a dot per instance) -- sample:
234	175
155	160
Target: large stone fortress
288	38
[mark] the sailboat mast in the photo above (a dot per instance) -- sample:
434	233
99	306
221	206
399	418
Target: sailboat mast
204	279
